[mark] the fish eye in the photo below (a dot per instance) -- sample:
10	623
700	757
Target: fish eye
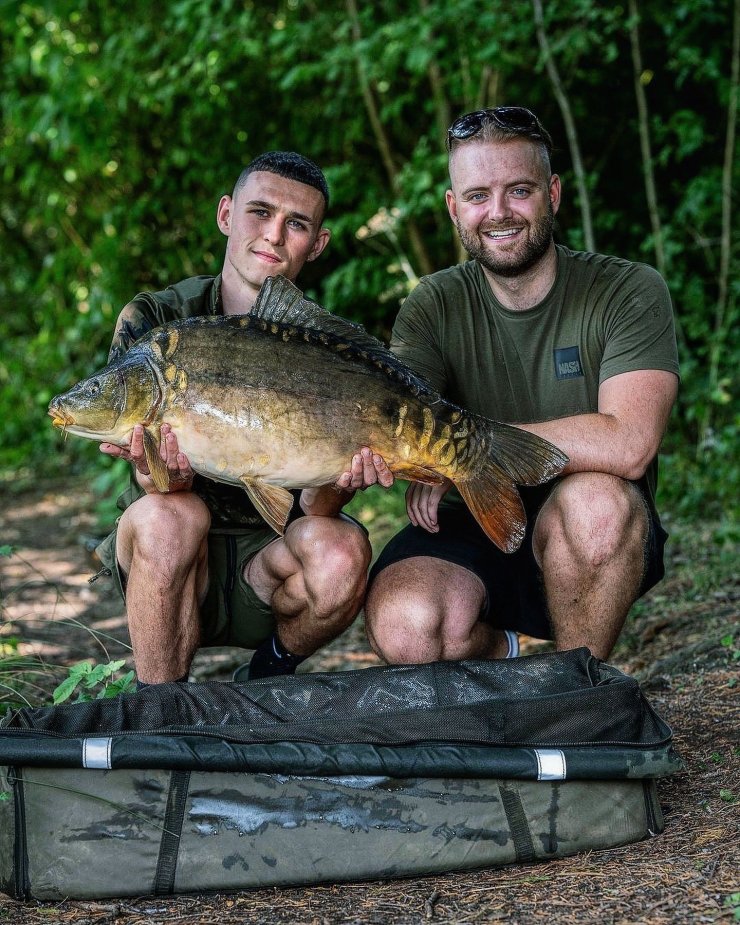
94	387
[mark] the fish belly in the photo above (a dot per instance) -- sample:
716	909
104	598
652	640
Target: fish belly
282	440
290	413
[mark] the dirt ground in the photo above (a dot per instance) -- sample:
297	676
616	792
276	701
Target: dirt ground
681	642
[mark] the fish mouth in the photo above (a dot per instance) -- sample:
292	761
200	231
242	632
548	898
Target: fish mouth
60	418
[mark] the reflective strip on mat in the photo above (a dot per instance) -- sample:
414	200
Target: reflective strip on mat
96	753
550	764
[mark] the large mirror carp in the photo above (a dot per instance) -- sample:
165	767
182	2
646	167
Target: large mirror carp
284	396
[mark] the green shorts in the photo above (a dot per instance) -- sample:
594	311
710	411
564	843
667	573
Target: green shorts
232	614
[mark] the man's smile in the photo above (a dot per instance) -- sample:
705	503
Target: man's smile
267	256
503	234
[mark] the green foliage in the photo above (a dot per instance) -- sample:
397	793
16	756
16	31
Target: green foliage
94	682
728	642
704	480
107	485
382	512
732	904
123	124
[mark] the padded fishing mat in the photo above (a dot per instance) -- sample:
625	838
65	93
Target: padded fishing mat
383	772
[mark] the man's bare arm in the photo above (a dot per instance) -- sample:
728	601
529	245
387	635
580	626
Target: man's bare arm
620	439
625	434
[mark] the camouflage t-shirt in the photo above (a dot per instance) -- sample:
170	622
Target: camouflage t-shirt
229	505
603	316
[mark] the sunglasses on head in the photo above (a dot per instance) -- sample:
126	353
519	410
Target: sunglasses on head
513	118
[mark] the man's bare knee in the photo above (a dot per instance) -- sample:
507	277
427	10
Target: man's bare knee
595	517
163	528
590	541
334	556
340	543
396	620
421	611
314	578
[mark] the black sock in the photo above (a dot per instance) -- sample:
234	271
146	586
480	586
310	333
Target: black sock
271	658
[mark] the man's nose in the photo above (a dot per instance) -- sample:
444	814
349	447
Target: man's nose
275	231
499	209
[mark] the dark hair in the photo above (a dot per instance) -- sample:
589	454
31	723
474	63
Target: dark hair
290	165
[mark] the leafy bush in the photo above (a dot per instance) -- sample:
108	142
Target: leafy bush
94	682
111	157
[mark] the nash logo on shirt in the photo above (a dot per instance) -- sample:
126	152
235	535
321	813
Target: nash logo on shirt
567	362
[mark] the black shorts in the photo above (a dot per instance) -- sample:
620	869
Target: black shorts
515	597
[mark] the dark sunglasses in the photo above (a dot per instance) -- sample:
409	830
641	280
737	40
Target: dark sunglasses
514	118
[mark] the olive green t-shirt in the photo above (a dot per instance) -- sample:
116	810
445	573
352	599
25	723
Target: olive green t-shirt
198	295
603	316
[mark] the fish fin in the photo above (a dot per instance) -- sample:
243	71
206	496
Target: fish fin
526	458
513	456
280	301
495	503
157	467
273	502
417	474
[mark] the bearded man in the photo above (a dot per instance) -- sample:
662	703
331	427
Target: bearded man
578	348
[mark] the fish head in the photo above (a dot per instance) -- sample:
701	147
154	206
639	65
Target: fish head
106	406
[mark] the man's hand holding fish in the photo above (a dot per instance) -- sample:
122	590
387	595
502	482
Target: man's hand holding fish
179	471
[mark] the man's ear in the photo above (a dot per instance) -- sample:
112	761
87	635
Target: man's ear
223	214
451	204
322	239
554	193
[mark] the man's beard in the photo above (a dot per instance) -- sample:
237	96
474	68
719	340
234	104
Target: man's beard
514	264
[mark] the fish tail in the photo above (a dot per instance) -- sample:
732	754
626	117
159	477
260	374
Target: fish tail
506	457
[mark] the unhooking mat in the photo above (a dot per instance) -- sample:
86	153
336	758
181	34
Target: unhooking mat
377	773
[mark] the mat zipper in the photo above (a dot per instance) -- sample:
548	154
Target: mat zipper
20	849
653	826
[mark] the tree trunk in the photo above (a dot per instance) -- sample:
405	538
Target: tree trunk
570	126
720	330
645	147
436	82
727	172
382	140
